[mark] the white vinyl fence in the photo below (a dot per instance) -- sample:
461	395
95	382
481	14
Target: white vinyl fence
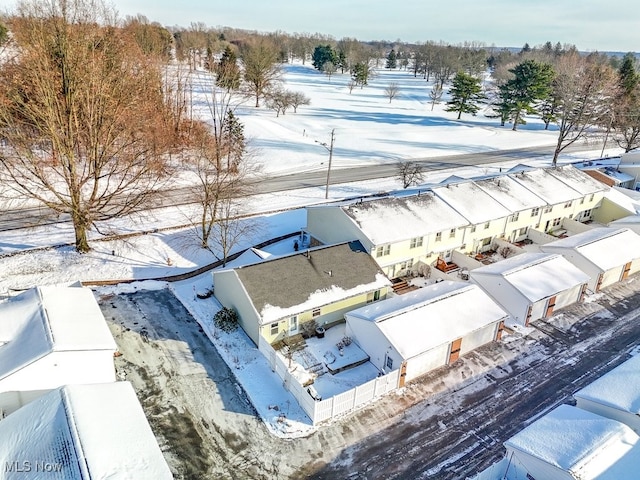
321	410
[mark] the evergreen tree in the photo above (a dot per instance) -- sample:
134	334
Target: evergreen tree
531	84
323	54
227	70
629	79
466	94
234	144
392	60
360	73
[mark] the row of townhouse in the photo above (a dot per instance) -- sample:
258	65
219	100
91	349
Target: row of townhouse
404	233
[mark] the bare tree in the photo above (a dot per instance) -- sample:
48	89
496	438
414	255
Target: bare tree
435	94
298	99
261	70
222	166
281	100
409	173
329	69
391	91
584	89
86	127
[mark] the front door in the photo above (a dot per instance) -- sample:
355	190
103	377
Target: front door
625	271
550	305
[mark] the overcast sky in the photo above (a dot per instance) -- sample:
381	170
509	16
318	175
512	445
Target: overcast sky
603	25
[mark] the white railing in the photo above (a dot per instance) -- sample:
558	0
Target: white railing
346	402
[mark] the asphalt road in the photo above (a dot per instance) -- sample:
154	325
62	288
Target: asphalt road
449	424
35	216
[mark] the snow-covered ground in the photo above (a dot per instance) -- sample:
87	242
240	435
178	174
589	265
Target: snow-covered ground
369	130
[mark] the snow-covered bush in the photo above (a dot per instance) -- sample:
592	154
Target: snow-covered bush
226	320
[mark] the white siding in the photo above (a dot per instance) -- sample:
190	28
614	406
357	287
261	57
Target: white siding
568	297
331	225
369	338
538	310
611	276
231	294
505	294
537	468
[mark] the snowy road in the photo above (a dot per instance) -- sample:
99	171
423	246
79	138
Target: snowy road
447	425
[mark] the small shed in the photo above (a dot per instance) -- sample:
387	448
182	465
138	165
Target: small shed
531	286
426	328
52	336
615	395
569	443
82	432
607	255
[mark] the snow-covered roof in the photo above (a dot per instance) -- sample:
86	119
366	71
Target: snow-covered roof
292	284
620	388
604	247
535	275
83	432
626	198
629	220
473	203
577	179
588	446
510	193
394	219
47	319
551	189
430	316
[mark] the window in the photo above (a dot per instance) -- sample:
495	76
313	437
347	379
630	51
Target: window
487	225
416	242
274	329
582	200
591	198
315	313
548	209
515	216
568	205
406	265
373	296
383	250
293	324
438	236
473	228
586	213
452	233
535	211
556	221
389	362
523	231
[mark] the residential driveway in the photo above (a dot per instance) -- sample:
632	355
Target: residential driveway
447	425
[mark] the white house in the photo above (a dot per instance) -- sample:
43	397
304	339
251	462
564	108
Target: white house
518	199
82	432
615	395
53	336
426	328
398	232
569	443
607	255
278	297
486	217
531	286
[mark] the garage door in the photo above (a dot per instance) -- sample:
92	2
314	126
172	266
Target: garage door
478	338
427	361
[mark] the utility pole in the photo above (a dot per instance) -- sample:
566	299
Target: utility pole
330	149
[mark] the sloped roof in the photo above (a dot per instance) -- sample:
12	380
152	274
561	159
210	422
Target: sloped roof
588	446
85	432
577	179
472	202
604	247
619	389
430	316
308	279
510	193
535	275
393	219
47	319
551	189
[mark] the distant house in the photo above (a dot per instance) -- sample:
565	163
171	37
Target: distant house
426	328
398	232
607	255
531	286
630	164
569	443
615	395
276	298
82	432
53	336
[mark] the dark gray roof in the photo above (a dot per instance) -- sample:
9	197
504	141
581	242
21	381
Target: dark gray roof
288	281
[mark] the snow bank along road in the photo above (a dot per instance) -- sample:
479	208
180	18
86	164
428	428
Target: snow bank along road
448	425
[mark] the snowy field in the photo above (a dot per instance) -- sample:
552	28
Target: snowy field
369	130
